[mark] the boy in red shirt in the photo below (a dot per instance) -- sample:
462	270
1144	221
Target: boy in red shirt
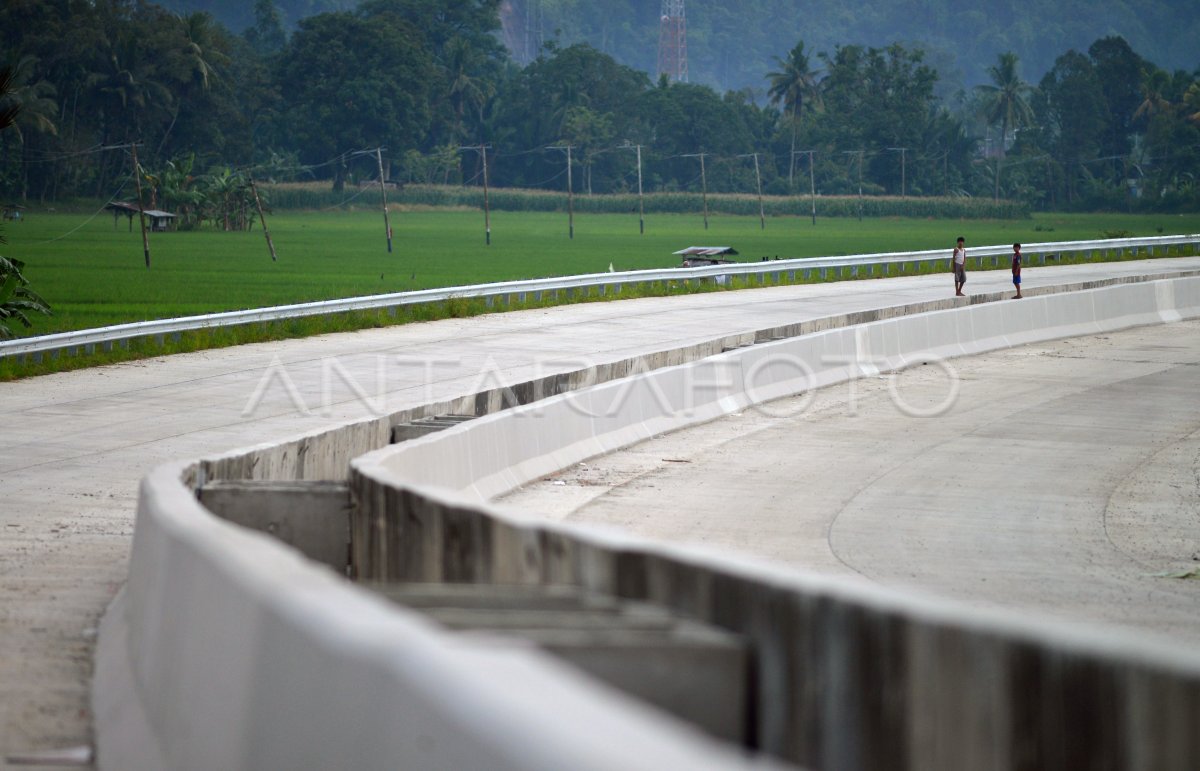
1016	269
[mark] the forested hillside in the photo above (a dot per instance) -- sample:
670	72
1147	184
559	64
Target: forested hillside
239	15
423	88
732	42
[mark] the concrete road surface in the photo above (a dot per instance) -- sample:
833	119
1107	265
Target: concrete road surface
75	444
1061	478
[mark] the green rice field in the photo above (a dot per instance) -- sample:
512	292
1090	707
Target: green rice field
92	271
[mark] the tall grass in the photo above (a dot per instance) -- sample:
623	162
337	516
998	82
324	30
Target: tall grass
315	196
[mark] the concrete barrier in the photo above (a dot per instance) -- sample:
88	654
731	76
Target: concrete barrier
497	453
228	650
849	675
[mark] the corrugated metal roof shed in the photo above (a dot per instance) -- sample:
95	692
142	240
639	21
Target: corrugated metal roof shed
706	251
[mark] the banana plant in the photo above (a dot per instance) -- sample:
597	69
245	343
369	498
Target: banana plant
17	300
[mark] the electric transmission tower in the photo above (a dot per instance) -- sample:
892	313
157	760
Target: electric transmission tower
672	42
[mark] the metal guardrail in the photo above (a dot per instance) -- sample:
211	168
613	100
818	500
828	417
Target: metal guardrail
1034	254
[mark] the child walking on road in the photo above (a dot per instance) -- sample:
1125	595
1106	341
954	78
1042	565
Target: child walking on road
959	264
1016	269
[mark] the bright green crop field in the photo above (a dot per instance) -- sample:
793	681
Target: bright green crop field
93	274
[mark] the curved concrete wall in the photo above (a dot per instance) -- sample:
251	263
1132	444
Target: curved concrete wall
491	455
227	650
849	675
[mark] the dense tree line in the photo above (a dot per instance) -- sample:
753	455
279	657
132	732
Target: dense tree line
1103	128
732	41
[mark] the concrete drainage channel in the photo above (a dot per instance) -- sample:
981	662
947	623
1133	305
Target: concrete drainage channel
694	671
697	672
311	516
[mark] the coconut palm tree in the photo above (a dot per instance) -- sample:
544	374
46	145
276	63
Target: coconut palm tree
9	109
128	88
37	111
1191	103
34	99
1155	85
201	56
1005	101
467	90
796	85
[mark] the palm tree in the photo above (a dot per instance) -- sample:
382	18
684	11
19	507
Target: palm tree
128	87
128	93
9	109
794	85
1155	85
466	90
1005	101
34	99
201	57
36	110
1191	103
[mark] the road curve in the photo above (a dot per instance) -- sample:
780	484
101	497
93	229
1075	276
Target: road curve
75	444
1060	478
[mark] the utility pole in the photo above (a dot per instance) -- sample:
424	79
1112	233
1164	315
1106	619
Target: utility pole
703	184
487	211
570	193
137	178
487	216
383	196
903	151
378	153
641	206
262	217
387	226
859	153
812	184
762	219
